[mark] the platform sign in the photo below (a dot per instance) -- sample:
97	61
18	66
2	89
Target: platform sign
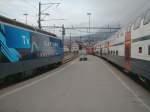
17	38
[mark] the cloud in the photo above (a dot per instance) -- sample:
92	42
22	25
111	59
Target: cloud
74	11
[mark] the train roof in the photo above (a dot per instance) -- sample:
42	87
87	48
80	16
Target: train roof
16	23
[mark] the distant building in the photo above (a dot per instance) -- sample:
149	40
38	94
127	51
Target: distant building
66	50
74	47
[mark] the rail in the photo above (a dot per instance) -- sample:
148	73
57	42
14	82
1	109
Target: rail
69	57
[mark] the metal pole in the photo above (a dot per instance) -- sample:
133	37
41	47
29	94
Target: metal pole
26	16
89	23
80	37
89	14
26	19
41	12
39	20
89	29
70	41
63	33
54	28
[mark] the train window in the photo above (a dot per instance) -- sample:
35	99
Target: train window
114	53
149	50
108	52
147	17
137	23
117	53
140	49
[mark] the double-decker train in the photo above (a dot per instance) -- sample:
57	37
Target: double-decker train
129	48
24	48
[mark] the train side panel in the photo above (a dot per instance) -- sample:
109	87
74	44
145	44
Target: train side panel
130	48
141	50
23	50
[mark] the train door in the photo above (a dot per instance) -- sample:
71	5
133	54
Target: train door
128	51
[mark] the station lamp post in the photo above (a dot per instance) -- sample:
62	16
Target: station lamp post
89	14
26	16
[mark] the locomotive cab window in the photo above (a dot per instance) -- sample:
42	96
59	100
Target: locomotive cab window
140	50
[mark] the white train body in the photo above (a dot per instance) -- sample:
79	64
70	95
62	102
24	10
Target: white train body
130	47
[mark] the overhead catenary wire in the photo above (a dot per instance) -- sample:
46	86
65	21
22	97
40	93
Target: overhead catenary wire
31	5
47	8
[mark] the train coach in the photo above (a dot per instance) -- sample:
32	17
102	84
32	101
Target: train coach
89	50
129	48
24	48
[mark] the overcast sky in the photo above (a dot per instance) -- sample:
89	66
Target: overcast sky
74	11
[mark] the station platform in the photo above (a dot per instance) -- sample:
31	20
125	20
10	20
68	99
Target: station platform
78	86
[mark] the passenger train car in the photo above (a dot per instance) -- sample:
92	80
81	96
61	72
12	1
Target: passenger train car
25	48
129	48
89	50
